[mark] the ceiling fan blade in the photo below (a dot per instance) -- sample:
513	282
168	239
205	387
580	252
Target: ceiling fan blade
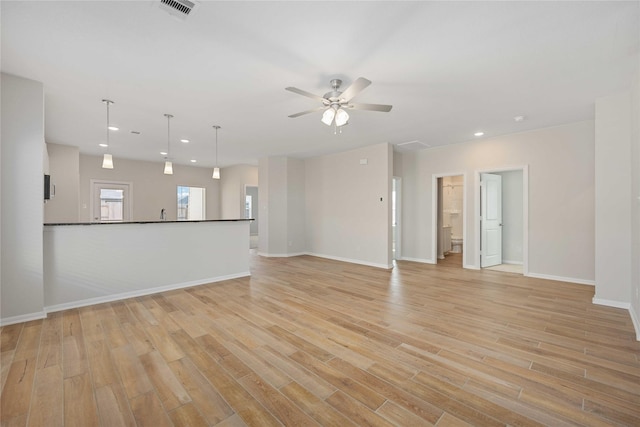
371	107
356	87
302	113
305	93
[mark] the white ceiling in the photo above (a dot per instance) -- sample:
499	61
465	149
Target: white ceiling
448	68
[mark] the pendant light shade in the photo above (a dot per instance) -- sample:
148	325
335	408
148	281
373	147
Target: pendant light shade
168	168
216	169
168	165
107	159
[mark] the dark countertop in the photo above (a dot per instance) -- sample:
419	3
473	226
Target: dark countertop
148	222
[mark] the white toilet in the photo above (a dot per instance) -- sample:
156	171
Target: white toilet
456	245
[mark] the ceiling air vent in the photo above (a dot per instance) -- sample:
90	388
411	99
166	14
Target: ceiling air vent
411	146
178	8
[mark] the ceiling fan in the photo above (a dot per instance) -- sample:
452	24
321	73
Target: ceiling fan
335	103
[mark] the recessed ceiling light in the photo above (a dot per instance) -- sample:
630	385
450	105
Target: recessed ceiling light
103	145
193	160
519	118
114	128
163	153
184	141
478	134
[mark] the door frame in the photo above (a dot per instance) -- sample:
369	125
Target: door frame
434	216
243	201
92	184
398	230
525	212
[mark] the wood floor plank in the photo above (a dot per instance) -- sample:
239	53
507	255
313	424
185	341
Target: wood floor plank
315	407
307	341
148	411
47	399
29	341
134	378
171	393
113	407
9	336
187	416
50	349
16	394
278	404
79	405
205	397
74	355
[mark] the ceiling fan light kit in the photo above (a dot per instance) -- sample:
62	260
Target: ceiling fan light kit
335	102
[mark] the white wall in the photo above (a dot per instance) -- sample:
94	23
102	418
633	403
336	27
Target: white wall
22	194
512	215
613	201
233	180
296	200
152	190
561	195
281	201
64	168
348	209
635	197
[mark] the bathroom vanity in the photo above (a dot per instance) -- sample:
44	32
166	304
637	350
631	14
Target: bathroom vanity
90	263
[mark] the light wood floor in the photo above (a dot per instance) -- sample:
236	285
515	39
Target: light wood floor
307	341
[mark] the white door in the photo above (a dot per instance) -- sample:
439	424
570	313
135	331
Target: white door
111	202
491	220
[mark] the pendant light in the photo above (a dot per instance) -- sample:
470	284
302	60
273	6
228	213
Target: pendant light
168	166
216	169
107	159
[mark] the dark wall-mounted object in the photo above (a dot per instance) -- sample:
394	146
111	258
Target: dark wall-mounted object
47	187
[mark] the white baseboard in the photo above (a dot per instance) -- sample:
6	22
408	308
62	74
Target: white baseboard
506	261
23	318
352	261
421	260
268	255
139	293
562	279
471	267
636	322
611	303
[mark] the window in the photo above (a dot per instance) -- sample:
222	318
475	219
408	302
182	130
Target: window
191	203
111	205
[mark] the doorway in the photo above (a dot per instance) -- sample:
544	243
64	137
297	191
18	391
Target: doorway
396	203
111	201
502	218
191	203
251	211
449	219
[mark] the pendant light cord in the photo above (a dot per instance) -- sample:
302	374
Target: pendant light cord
168	116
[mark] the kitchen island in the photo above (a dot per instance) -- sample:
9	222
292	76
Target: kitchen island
91	263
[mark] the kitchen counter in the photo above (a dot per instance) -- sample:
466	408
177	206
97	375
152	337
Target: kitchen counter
101	262
145	222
